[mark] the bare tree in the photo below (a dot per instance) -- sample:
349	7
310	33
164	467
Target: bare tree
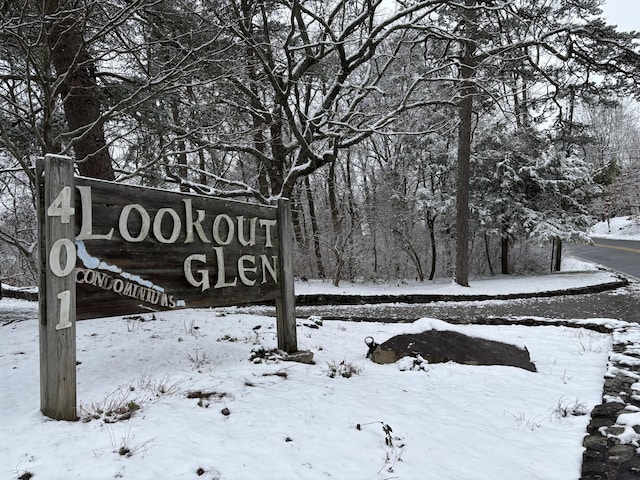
299	87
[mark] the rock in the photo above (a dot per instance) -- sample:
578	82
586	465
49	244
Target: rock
620	454
595	443
301	356
607	410
447	346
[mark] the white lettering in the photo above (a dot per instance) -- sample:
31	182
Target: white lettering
216	229
157	225
190	224
118	286
242	269
268	267
221	282
56	258
61	206
204	274
267	224
252	232
86	229
65	310
123	223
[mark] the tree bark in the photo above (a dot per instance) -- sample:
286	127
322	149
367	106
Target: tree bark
181	154
432	238
504	257
79	90
465	109
557	259
314	227
488	253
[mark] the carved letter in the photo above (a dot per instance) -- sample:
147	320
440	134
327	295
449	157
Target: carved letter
267	224
252	232
55	257
204	274
242	269
190	224
221	282
216	229
124	219
86	229
157	225
268	267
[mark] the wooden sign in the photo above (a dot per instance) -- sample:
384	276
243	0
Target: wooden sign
142	249
112	249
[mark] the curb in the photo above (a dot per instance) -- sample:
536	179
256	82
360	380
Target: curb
19	294
337	299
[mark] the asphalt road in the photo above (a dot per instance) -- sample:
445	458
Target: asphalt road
620	255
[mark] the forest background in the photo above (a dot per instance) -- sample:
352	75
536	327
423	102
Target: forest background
415	139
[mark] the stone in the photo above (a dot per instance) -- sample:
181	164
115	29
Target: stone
301	356
608	410
620	453
615	430
437	346
598	422
593	442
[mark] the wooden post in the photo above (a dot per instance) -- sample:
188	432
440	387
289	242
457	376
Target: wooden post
286	303
57	292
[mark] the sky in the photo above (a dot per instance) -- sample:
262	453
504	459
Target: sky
623	13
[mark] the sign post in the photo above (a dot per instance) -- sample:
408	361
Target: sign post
57	293
285	302
109	249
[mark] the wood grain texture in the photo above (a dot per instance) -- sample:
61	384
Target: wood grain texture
285	303
57	335
160	265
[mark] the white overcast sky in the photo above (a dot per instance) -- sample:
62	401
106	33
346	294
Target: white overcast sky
623	13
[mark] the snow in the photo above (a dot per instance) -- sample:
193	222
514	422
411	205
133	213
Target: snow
273	419
503	285
620	228
287	420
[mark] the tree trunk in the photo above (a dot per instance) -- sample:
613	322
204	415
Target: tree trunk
314	227
432	238
504	255
488	253
462	192
297	219
371	216
467	71
333	200
181	154
335	219
557	263
78	90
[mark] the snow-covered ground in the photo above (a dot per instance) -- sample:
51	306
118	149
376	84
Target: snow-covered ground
200	408
621	228
575	274
282	420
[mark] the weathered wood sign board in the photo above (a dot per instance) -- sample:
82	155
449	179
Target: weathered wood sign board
111	249
142	250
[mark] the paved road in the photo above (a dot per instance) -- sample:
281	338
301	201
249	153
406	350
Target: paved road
621	255
621	303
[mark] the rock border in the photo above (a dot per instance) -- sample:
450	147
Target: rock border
612	446
337	299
